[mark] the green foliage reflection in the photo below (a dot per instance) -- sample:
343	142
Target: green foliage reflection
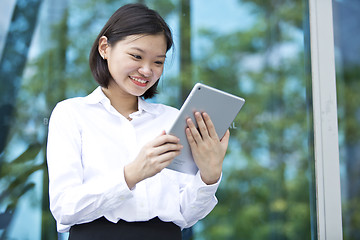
267	185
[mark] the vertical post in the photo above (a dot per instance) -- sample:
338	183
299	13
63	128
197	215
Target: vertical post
325	120
185	49
185	67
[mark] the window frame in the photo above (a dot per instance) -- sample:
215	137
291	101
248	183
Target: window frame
326	149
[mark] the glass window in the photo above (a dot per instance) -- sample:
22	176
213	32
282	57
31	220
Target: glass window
347	54
258	50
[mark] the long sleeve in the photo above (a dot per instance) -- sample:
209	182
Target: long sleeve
74	199
197	199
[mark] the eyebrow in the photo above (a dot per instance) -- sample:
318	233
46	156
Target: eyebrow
141	50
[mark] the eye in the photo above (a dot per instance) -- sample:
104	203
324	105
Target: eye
159	62
137	57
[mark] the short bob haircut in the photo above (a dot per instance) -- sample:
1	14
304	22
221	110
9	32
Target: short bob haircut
130	19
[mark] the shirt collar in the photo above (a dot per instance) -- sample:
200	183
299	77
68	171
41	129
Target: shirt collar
98	96
147	107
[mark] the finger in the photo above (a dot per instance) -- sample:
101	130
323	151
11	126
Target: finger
202	126
166	158
193	130
225	139
169	147
210	126
166	162
164	138
190	138
226	135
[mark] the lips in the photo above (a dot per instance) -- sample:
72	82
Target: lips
139	81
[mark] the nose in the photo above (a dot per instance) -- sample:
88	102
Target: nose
145	70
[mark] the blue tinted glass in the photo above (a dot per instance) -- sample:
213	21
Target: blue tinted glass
347	48
258	50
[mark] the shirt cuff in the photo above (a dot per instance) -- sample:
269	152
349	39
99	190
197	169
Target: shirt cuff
204	190
198	178
120	190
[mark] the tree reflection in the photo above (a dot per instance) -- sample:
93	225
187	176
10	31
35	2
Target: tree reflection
268	192
267	188
14	174
346	22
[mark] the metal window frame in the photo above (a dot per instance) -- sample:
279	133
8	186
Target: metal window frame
325	121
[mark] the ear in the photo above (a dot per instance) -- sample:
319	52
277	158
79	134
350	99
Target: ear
103	47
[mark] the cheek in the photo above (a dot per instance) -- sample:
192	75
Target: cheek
158	72
121	67
113	66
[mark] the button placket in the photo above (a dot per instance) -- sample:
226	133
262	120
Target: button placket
142	200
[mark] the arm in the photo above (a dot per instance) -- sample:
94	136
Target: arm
198	198
74	199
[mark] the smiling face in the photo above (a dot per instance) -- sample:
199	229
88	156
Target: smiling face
135	63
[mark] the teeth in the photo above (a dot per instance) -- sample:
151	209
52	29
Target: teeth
138	80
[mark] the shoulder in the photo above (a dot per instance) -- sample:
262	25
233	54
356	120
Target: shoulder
72	110
68	105
80	103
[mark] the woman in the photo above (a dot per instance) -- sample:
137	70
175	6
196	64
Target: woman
107	152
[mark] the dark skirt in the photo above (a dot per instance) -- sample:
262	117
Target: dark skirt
102	229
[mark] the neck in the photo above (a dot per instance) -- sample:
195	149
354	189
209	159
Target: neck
124	104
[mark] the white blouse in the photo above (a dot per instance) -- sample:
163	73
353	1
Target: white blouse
89	143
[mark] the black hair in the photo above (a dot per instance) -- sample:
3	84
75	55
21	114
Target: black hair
130	19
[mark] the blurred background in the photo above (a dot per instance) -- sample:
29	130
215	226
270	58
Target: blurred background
259	50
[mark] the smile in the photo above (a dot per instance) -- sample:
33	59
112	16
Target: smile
139	81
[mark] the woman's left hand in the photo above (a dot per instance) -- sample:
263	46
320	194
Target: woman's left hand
207	149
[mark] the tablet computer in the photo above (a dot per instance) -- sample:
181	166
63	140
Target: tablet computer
222	108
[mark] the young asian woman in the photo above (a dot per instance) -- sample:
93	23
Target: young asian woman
107	152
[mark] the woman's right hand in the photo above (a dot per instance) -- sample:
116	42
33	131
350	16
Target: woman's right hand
152	158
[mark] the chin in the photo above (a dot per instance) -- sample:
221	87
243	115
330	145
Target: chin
137	94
